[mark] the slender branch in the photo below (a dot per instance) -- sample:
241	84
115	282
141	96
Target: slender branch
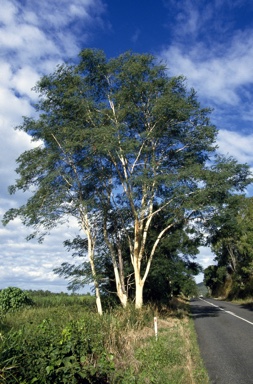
154	249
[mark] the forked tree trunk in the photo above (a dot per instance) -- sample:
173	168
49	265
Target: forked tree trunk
138	251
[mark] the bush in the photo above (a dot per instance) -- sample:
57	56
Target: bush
71	345
50	353
13	298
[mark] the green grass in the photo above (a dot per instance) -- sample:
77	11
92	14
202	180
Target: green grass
173	358
246	303
63	340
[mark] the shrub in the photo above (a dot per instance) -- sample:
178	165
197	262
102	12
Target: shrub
13	298
50	353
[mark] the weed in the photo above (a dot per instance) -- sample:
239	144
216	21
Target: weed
72	344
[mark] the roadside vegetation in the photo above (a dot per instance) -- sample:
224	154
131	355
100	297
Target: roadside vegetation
232	242
60	338
129	154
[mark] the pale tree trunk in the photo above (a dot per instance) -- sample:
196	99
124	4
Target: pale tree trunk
93	269
86	225
138	251
136	260
118	270
138	295
121	292
98	299
91	248
139	285
124	297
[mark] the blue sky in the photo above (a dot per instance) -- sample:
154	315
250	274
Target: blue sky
209	42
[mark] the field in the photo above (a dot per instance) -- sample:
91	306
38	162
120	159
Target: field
61	339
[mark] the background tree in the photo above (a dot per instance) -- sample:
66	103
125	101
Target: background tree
232	241
173	267
214	278
121	139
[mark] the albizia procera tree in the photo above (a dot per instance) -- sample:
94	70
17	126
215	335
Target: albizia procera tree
121	139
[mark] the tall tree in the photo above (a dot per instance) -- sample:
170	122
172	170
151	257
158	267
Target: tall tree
59	170
121	139
232	241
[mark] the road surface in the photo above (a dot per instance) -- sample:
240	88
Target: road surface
225	336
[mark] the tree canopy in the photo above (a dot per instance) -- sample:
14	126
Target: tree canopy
119	143
231	241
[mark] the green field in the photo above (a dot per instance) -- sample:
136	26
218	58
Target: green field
61	339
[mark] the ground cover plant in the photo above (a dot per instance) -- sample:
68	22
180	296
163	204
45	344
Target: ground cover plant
65	343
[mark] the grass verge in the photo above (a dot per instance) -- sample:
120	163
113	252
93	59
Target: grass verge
72	344
173	358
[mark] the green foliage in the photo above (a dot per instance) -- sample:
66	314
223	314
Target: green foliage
13	298
50	354
47	299
214	278
68	344
232	242
120	143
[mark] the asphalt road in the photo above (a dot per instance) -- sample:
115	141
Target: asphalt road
225	336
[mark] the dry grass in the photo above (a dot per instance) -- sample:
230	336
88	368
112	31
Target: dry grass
175	355
129	338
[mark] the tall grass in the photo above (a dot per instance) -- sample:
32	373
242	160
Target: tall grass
50	299
63	340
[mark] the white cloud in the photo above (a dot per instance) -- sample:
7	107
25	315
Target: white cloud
205	258
8	12
12	107
238	145
214	56
35	36
46	30
23	261
218	78
24	80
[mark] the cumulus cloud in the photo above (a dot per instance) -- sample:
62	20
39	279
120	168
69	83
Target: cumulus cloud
32	262
41	29
35	36
218	78
215	56
239	146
